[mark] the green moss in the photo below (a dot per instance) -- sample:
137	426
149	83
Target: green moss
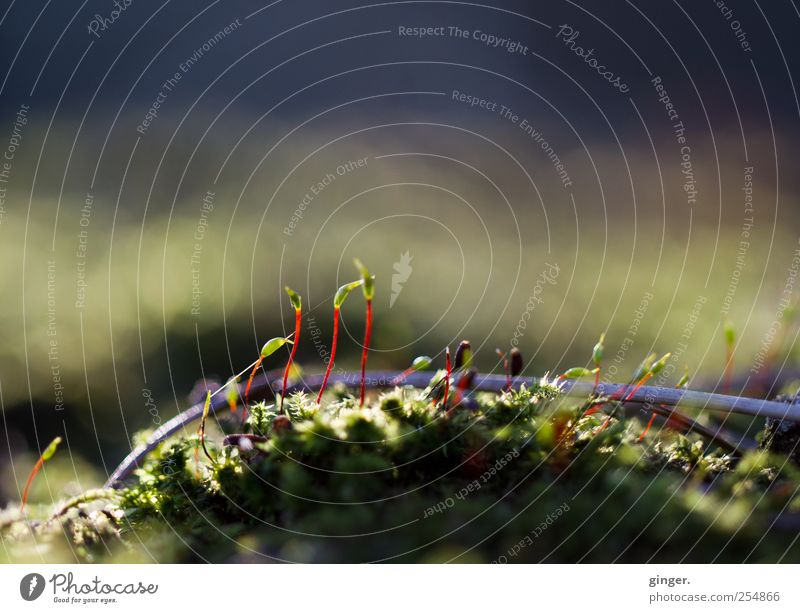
399	481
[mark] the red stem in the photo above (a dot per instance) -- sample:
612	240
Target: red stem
35	470
647	429
402	376
642	381
604	425
461	387
448	369
597	405
596	379
365	350
333	353
250	381
202	434
297	322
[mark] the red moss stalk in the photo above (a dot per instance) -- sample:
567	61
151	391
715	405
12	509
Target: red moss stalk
46	455
270	347
36	467
624	399
647	428
682	383
651	371
333	354
604	425
298	314
201	431
463	365
250	380
403	376
341	295
365	350
464	384
368	288
597	358
448	371
420	363
641	382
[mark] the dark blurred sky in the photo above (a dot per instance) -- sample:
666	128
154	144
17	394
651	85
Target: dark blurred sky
149	39
298	58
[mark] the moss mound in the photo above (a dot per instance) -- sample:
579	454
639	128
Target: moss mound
521	476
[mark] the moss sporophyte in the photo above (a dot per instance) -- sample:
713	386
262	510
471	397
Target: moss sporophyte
201	431
368	288
512	364
682	383
597	358
270	347
577	373
647	369
338	300
419	363
48	453
297	303
463	365
448	373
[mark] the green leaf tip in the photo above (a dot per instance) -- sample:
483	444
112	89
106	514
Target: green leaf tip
343	292
421	363
577	373
597	352
206	406
297	302
51	449
272	345
659	366
644	367
684	380
730	333
368	279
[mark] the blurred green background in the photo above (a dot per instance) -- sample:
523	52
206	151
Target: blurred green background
637	269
